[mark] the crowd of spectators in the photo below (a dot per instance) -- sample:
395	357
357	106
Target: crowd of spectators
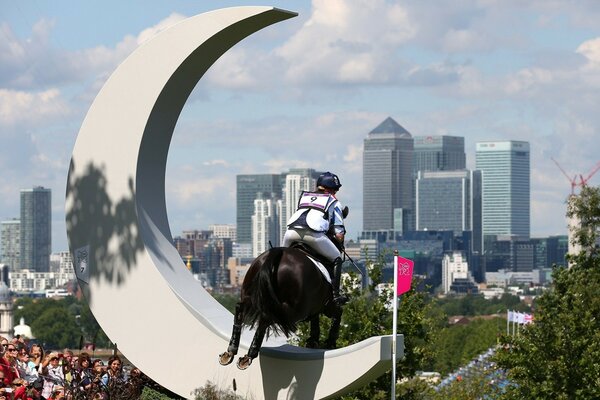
27	372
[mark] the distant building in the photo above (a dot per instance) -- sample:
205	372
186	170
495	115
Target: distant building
387	178
10	243
206	256
224	231
23	330
36	229
247	189
439	153
33	281
505	169
450	200
265	225
6	312
455	274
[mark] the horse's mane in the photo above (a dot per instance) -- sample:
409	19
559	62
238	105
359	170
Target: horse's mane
264	305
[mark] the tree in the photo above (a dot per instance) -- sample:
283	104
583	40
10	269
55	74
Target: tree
56	328
557	356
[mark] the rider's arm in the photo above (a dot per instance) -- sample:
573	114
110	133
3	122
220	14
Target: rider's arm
338	222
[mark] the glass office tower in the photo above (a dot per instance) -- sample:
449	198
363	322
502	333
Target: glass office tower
387	178
505	169
36	228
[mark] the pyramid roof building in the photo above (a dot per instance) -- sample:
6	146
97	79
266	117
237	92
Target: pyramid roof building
389	125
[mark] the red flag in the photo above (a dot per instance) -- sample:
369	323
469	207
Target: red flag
404	272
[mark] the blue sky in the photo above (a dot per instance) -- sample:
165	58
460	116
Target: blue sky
305	93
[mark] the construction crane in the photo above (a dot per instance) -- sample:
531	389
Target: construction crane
573	181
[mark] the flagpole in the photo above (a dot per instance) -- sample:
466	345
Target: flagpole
508	316
394	325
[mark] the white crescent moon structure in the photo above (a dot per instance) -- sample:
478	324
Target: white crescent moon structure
135	281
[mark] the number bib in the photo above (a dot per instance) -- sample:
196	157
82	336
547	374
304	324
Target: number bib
318	201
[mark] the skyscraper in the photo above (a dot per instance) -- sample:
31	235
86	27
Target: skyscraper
247	189
439	153
10	241
450	200
265	225
36	228
505	187
387	178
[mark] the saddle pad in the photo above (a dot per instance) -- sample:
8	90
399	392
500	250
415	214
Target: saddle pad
321	268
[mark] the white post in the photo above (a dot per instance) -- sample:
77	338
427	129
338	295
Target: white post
394	327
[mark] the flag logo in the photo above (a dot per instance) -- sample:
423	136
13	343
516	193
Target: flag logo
404	271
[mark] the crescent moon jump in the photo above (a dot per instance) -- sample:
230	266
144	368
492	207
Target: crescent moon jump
135	281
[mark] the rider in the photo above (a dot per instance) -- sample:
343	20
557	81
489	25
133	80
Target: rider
319	223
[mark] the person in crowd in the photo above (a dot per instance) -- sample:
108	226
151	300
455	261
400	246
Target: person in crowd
319	223
19	387
36	355
10	357
8	374
84	372
53	374
67	364
114	372
26	370
58	393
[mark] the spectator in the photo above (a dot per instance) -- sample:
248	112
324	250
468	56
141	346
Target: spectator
19	389
7	375
114	373
9	363
36	355
26	370
84	372
53	374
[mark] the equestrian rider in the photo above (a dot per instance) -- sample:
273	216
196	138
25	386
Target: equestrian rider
319	223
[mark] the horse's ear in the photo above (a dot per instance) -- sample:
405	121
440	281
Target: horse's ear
345	212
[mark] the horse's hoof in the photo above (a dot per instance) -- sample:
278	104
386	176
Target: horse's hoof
244	362
312	344
226	358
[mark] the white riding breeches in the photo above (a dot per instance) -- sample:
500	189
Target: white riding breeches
318	241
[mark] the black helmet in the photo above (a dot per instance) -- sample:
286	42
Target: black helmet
329	180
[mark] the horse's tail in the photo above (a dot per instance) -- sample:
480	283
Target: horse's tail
265	304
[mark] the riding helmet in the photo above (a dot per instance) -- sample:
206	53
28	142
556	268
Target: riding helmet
329	180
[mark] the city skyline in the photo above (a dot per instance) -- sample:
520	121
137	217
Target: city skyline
306	92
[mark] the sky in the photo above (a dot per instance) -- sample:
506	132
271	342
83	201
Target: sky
306	92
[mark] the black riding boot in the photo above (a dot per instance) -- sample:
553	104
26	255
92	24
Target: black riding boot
338	299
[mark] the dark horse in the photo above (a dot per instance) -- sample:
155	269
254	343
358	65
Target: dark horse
282	287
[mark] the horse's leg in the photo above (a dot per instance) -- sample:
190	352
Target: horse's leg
244	362
315	332
334	331
227	357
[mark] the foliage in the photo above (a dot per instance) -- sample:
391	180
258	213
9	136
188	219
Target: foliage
227	300
479	385
60	323
151	394
211	392
471	305
458	344
557	356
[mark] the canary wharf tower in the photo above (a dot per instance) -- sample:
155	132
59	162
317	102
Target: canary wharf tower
387	177
506	190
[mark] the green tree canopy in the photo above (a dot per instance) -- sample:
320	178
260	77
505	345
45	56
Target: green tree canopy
557	356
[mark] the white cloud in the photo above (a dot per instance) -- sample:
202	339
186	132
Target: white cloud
31	108
346	41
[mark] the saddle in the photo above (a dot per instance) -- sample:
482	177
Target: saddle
314	255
